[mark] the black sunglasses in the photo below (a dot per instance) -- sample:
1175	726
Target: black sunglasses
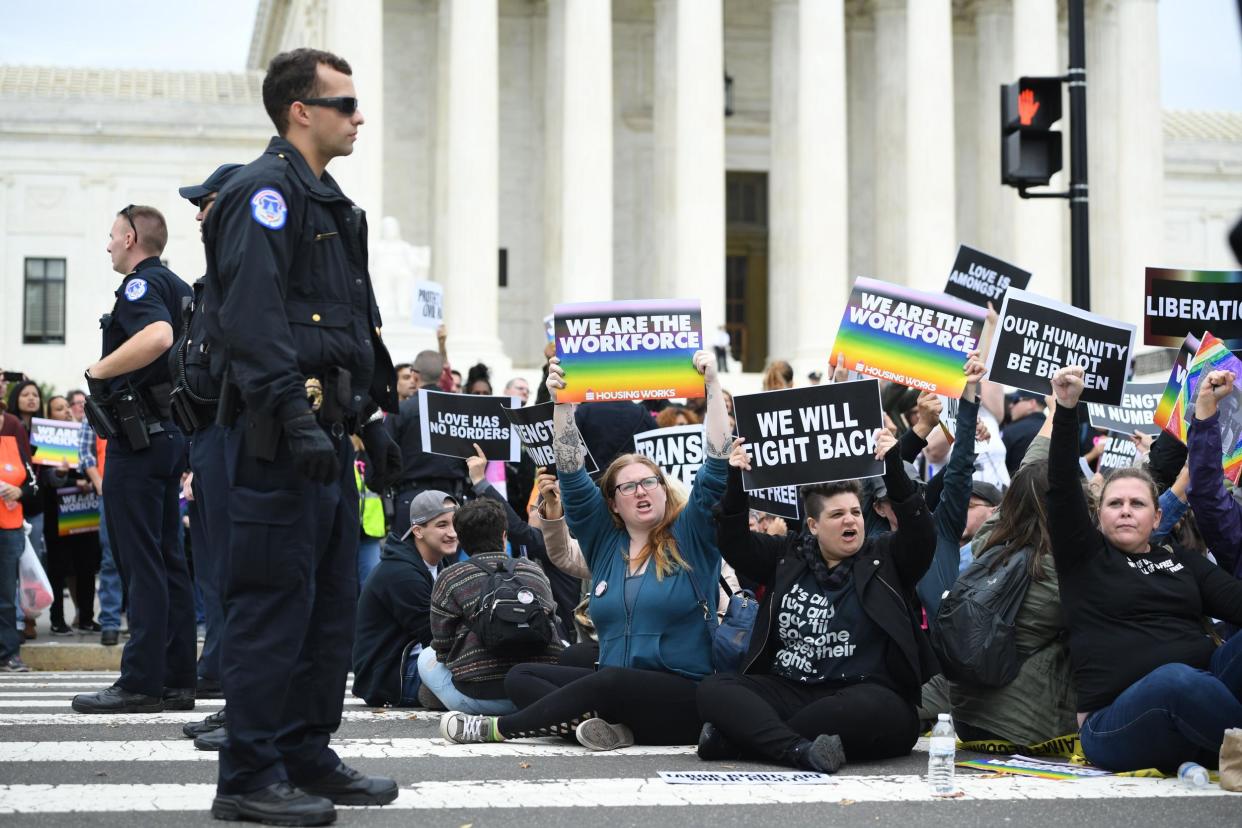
345	106
130	218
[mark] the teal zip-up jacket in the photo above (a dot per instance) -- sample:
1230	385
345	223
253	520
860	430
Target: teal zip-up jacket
667	630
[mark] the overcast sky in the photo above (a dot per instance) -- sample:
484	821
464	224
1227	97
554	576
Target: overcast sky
1200	41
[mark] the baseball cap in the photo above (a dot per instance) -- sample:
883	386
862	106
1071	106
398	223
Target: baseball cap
1015	396
214	182
986	492
427	506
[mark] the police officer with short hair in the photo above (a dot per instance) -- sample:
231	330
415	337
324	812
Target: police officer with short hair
295	330
129	405
195	399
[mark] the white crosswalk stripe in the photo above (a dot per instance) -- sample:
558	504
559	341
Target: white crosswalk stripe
435	775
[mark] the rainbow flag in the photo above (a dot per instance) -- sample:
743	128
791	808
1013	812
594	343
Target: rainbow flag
908	336
1214	355
1169	411
53	442
631	350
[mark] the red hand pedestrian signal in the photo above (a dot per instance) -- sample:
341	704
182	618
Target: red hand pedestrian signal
1027	106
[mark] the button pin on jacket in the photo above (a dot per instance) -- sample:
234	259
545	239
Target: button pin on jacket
601	588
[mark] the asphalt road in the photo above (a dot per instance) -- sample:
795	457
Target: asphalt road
139	770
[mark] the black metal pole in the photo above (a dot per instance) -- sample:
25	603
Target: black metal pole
1080	253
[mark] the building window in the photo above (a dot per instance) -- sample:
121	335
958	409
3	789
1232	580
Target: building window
45	302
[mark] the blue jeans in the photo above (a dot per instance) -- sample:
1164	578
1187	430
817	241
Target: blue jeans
110	591
410	681
435	674
12	544
368	558
1174	714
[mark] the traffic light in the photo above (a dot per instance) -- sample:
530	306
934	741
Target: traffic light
1030	148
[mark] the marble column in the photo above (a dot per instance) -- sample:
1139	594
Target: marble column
994	230
930	237
1139	160
578	152
464	254
889	17
356	33
1039	226
808	204
689	208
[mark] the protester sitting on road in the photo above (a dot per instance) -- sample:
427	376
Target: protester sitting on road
836	656
1218	515
474	641
653	560
1153	688
394	610
1039	704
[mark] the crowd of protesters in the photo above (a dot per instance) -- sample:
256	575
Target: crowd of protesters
1123	633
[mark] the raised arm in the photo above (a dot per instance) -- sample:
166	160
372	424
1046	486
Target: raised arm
563	551
585	509
914	543
753	554
1071	531
1219	515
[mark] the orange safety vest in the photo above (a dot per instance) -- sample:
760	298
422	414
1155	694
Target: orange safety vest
13	472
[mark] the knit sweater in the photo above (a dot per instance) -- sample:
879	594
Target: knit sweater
478	672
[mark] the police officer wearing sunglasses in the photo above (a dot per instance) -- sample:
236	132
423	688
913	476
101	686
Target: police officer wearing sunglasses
294	330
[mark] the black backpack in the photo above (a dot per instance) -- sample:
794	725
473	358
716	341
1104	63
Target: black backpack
511	618
974	631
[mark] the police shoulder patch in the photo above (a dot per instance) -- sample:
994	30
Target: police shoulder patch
135	289
267	206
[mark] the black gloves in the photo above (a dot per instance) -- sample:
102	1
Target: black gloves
383	453
314	456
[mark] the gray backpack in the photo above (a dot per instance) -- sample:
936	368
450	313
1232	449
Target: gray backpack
974	635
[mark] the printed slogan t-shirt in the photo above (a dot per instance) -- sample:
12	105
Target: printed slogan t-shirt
825	635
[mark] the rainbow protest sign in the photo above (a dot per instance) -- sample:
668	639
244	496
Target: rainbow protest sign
908	336
1170	413
632	350
1019	765
77	511
56	441
1180	301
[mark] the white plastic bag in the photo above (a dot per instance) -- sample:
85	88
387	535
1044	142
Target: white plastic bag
34	588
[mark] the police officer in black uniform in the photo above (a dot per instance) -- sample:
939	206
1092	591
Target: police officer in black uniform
195	400
129	405
295	329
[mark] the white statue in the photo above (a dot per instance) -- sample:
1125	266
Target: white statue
396	266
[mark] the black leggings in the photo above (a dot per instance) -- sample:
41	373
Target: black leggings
552	700
768	716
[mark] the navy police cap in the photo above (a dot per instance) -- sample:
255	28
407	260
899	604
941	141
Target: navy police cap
214	182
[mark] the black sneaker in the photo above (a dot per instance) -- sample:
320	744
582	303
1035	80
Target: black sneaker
178	698
214	740
109	638
14	665
117	700
208	689
88	628
278	804
60	628
824	755
213	722
346	786
714	746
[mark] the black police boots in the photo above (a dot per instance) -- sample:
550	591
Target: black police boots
213	740
213	722
117	700
278	804
178	698
346	786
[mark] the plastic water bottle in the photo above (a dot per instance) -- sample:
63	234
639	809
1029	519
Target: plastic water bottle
940	757
1193	775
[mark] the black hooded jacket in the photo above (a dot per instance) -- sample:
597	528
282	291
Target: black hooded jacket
885	570
393	610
